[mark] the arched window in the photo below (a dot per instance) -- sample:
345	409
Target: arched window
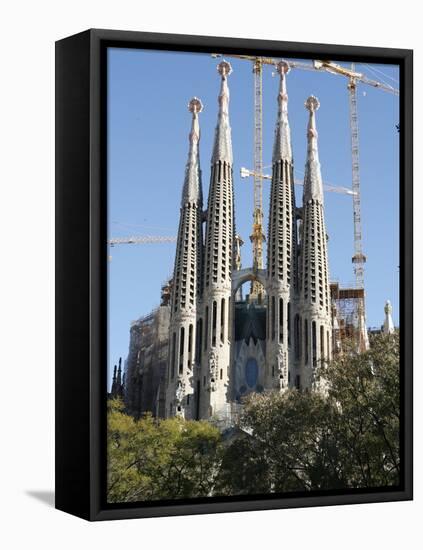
190	333
206	331
198	340
297	336
214	320
280	320
173	360
229	320
181	350
288	322
222	320
314	342
305	342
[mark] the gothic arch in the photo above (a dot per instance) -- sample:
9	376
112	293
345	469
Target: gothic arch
244	275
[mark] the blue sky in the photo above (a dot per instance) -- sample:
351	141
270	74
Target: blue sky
148	132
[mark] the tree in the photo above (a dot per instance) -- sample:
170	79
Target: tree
151	459
346	436
291	439
365	388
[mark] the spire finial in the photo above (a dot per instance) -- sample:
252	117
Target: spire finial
312	104
283	69
195	106
313	188
282	147
192	191
222	144
224	68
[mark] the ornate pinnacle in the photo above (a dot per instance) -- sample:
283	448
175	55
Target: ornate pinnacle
192	185
222	149
312	104
282	145
195	106
313	180
224	69
283	69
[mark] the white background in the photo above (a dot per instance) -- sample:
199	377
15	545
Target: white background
28	32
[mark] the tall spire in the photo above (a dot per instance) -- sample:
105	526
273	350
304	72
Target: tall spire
186	280
281	249
216	320
282	145
192	191
222	149
314	273
313	188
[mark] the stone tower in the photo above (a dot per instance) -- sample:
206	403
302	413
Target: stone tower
186	281
388	324
281	249
214	323
314	318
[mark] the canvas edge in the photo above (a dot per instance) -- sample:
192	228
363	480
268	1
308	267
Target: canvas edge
99	39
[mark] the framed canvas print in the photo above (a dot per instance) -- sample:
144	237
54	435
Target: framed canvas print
234	274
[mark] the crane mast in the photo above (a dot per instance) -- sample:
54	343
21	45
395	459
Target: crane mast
359	258
257	236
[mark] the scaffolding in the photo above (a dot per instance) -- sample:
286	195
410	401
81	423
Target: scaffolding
348	318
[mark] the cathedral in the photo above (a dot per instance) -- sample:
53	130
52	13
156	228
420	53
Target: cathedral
222	346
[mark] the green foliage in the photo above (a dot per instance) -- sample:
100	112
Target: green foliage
346	436
366	389
150	459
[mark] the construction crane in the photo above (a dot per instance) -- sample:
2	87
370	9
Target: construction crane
353	77
257	236
358	259
245	173
141	239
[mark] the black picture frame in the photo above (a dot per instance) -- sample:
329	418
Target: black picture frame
81	270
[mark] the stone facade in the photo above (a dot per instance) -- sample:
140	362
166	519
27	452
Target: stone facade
220	345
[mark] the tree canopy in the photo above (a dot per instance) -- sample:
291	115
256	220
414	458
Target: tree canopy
152	459
344	436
